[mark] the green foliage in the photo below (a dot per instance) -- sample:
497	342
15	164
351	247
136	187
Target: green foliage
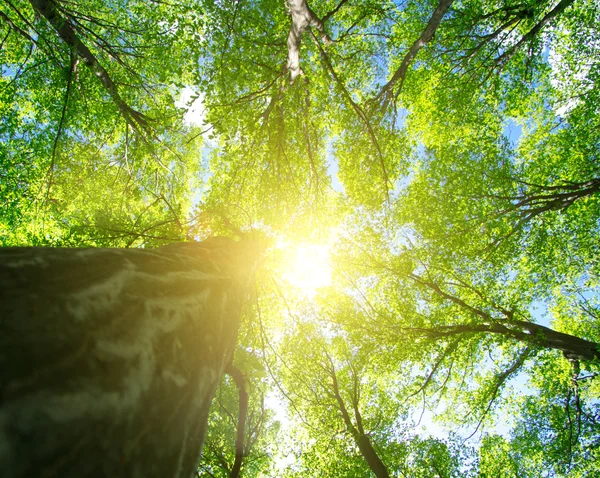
464	214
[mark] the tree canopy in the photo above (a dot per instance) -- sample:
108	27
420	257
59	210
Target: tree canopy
426	175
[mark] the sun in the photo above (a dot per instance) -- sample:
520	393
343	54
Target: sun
307	267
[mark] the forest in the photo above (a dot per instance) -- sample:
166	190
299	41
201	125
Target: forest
422	178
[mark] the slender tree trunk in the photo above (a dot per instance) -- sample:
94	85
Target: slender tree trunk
360	437
240	382
386	93
109	358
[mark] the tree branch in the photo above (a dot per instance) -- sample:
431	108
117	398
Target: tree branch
500	380
65	30
360	113
508	54
386	93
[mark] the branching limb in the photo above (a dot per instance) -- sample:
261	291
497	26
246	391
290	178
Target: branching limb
67	33
508	54
572	347
331	13
359	113
387	92
16	28
302	19
362	440
448	351
499	381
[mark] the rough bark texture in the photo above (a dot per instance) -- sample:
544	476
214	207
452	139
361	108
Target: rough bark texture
110	357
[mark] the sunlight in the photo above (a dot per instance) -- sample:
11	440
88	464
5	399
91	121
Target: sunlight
308	267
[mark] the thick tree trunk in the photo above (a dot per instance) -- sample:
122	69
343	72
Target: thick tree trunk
302	18
109	358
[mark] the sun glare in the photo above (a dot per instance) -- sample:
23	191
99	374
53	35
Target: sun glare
308	267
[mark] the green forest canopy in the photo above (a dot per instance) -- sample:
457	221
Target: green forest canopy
441	160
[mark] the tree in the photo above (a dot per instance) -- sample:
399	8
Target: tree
445	152
470	334
111	356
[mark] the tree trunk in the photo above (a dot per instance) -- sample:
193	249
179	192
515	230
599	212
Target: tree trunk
110	357
572	347
371	457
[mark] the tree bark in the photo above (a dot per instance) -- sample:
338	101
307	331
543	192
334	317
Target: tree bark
110	357
302	18
371	457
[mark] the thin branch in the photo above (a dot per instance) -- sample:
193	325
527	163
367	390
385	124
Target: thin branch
15	28
63	114
508	54
448	351
359	112
500	380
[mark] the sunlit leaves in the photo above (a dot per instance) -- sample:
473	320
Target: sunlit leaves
468	201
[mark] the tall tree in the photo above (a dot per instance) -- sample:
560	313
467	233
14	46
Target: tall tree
446	152
111	357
